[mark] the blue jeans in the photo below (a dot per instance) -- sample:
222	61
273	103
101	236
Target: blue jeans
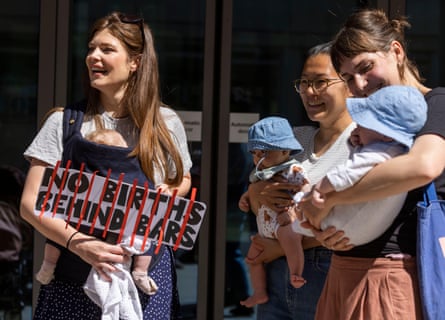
287	302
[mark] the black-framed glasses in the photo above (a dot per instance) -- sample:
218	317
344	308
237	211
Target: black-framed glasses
134	19
317	85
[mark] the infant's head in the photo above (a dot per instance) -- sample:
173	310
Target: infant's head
108	137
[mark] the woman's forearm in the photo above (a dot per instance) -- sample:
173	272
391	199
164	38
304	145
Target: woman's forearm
424	162
100	255
50	228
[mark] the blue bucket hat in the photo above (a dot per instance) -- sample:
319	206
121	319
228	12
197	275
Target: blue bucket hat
398	112
273	133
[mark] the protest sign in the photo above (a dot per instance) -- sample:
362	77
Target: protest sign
131	211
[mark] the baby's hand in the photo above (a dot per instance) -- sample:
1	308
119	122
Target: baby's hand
244	203
317	199
354	138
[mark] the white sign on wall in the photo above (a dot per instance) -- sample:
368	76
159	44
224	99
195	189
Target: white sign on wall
239	126
192	123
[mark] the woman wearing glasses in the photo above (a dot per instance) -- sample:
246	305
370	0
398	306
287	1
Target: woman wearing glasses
123	94
324	98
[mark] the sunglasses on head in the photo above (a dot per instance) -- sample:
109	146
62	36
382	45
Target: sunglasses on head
134	19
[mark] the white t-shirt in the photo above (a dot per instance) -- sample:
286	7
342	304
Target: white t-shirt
47	146
317	167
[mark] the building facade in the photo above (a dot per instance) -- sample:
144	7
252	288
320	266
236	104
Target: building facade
223	64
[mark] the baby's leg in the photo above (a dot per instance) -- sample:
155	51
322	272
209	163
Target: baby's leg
258	279
293	249
140	275
141	263
46	272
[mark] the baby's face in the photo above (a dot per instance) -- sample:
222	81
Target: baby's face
271	157
366	136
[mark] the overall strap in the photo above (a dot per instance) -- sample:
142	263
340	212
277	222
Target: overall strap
73	118
429	193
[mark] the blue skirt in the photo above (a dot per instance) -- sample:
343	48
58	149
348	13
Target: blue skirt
60	300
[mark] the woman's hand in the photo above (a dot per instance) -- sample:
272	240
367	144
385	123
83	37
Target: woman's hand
354	139
270	250
165	188
330	238
314	215
244	203
318	198
274	195
100	255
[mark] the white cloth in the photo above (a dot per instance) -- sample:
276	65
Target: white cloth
362	160
267	222
361	222
136	248
118	299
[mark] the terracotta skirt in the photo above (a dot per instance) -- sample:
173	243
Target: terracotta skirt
367	289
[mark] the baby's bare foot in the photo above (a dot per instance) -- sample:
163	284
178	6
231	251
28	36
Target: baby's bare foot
256	298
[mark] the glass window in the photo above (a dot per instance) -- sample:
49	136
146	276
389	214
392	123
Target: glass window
19	29
425	38
178	31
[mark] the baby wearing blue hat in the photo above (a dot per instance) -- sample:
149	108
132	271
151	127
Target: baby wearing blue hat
272	143
387	123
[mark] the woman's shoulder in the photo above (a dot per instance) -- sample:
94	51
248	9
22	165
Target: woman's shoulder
168	113
171	118
436	91
47	145
436	94
53	116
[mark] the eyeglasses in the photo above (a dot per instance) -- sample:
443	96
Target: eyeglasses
318	85
134	19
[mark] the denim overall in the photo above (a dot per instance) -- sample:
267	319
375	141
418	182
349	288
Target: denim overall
71	271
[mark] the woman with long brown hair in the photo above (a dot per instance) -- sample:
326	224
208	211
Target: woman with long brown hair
123	94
